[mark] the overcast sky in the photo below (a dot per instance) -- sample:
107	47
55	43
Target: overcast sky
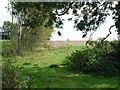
72	34
4	15
68	32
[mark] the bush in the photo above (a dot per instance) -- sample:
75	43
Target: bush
100	59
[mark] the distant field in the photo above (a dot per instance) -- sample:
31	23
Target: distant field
37	64
65	43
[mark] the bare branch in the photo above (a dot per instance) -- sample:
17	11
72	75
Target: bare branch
91	36
102	38
109	32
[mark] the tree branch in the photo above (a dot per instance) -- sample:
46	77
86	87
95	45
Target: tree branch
109	32
65	11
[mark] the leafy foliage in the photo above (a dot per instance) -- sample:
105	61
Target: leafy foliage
12	29
100	59
36	37
34	14
10	75
88	15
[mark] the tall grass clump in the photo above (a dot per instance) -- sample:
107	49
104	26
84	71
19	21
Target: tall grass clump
10	75
101	59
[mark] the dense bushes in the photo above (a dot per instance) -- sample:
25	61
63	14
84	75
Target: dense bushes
100	59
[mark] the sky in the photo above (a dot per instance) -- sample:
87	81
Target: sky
68	32
4	15
72	34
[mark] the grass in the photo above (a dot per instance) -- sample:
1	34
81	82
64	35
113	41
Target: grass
36	64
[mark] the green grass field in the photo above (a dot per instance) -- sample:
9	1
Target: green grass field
36	64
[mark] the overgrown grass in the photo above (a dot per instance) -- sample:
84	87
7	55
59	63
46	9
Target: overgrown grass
37	64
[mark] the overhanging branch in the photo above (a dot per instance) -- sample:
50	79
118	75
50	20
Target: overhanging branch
65	11
109	33
102	38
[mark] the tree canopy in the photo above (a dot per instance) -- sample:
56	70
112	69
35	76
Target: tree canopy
88	15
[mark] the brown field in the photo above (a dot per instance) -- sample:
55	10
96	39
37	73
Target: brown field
65	43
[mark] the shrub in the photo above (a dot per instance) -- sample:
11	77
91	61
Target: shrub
9	48
100	59
10	75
